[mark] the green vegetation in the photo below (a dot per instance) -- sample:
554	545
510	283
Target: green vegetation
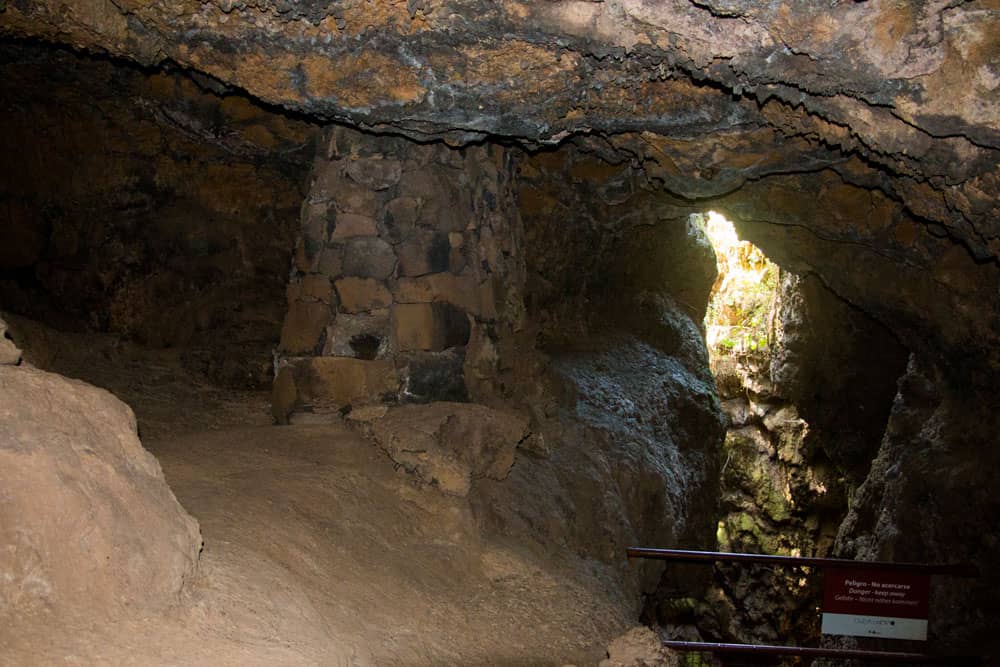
740	313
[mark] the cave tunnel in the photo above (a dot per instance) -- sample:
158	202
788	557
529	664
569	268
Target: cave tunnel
365	334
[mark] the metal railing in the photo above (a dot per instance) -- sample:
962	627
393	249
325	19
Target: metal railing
682	555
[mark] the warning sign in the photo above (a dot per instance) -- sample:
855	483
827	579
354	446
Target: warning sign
876	603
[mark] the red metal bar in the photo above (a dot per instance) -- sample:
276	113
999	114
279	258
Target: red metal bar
956	570
809	652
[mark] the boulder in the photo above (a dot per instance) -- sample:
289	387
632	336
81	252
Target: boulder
450	444
639	647
369	257
335	382
87	522
350	225
10	354
363	335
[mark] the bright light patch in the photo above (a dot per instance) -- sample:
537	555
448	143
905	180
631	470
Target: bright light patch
721	232
738	320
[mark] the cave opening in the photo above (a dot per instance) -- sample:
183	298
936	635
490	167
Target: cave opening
806	384
779	491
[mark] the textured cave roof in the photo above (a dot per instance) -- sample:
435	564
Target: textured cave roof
865	132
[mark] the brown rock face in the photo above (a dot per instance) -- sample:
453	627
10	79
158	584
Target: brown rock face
450	444
10	355
147	206
325	382
87	522
639	647
930	496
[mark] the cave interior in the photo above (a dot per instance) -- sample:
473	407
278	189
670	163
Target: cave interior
403	318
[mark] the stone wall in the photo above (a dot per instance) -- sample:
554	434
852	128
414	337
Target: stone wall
407	273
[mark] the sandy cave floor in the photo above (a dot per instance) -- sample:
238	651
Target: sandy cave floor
318	551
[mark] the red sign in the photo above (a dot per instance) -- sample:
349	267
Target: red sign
876	593
876	602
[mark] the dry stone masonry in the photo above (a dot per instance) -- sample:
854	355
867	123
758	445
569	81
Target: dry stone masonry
407	266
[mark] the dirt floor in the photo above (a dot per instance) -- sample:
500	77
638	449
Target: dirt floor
317	550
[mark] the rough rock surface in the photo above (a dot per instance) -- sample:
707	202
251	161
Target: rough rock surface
148	206
87	522
806	384
10	354
449	444
407	264
929	497
857	141
639	647
859	134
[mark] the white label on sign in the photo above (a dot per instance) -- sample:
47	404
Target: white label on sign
875	626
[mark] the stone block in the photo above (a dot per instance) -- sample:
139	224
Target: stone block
436	376
314	230
448	214
284	396
369	257
303	328
310	287
331	261
427	252
400	218
375	173
359	295
349	225
315	212
339	381
462	291
327	181
429	326
364	335
445	205
413	326
356	199
306	256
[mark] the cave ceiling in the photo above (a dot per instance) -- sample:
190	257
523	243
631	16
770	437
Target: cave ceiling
864	134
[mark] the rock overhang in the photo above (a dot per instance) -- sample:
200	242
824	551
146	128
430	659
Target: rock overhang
710	100
558	66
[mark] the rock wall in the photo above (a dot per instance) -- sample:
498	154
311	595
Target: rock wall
622	400
855	141
407	273
147	205
929	497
